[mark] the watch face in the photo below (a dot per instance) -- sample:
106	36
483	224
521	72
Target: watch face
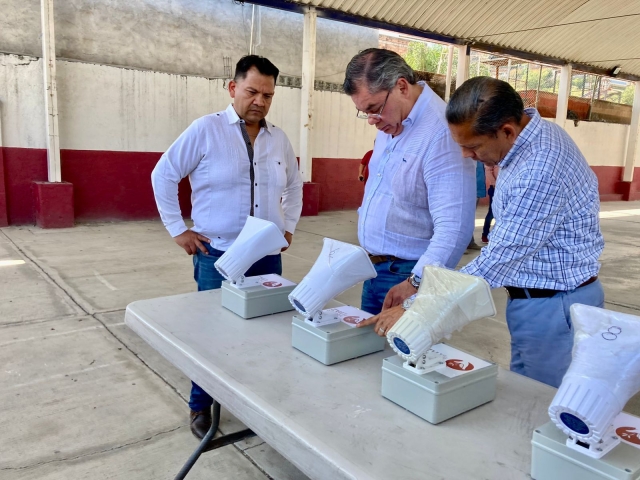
407	303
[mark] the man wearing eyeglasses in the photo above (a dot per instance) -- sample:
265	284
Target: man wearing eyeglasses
419	201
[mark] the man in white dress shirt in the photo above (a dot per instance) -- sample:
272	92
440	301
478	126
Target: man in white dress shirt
238	165
419	202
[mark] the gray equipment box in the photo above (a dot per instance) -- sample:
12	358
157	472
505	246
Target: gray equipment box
255	301
434	396
335	342
551	459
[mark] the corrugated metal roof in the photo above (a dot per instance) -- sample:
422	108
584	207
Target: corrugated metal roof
599	33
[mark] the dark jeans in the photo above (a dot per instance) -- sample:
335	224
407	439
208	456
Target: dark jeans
489	217
390	273
208	278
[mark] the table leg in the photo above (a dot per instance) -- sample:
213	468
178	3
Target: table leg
209	443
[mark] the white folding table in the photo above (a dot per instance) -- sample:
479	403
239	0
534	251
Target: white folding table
331	421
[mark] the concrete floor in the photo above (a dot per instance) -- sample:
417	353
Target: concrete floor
84	397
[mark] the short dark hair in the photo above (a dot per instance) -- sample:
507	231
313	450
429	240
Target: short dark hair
262	64
487	103
378	69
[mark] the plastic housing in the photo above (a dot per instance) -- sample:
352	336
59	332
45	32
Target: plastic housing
446	301
257	239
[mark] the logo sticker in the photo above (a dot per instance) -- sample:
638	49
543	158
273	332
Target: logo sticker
628	434
457	364
352	319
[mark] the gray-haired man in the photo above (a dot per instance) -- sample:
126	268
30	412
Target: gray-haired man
419	202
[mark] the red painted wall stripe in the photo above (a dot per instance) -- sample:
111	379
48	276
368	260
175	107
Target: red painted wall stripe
111	185
4	219
340	188
22	166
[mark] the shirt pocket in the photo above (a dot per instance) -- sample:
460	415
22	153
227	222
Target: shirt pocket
278	174
407	186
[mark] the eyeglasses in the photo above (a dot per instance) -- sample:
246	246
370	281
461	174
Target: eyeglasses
366	116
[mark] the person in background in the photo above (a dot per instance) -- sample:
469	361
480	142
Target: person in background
491	173
481	192
363	171
238	165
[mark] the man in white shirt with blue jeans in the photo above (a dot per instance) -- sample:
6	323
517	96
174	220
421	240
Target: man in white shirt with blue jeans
238	165
419	202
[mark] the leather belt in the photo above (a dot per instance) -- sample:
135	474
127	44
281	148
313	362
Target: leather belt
382	258
517	293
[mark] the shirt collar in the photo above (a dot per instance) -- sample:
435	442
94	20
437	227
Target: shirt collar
524	137
418	107
233	117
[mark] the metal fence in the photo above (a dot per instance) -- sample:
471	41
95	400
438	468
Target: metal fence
593	97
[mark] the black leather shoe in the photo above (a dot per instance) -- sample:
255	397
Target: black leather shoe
200	422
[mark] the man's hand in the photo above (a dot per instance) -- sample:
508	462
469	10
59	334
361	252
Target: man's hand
192	242
289	238
398	294
384	321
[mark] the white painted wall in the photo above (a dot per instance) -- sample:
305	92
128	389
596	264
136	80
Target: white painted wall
338	133
121	109
22	102
112	108
602	144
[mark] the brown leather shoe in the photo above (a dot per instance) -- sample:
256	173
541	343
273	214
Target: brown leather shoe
200	422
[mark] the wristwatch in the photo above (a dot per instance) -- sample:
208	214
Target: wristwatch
408	302
414	280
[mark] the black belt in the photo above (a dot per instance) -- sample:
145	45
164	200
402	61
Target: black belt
382	258
517	293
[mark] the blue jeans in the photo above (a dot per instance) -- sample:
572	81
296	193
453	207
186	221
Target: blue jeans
489	217
542	333
208	278
390	273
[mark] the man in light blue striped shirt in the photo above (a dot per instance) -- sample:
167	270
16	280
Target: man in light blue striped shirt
546	242
419	201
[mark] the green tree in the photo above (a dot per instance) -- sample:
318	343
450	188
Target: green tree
627	95
425	57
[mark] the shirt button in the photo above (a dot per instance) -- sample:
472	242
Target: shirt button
256	204
378	174
256	184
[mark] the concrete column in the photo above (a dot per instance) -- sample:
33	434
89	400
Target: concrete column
632	142
464	51
50	91
306	99
564	91
447	89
